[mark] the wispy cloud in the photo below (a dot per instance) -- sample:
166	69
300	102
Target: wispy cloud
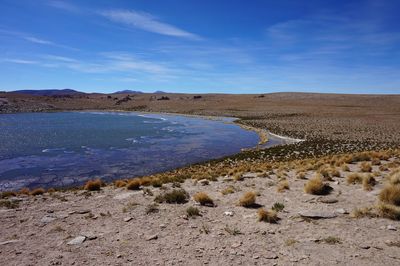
147	22
19	61
34	39
63	6
37	40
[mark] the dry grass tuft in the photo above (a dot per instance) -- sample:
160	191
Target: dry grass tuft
248	199
390	194
7	194
388	211
228	190
120	183
282	186
368	182
203	199
93	185
24	191
192	211
366	167
316	186
176	196
269	216
332	240
134	184
38	191
355	178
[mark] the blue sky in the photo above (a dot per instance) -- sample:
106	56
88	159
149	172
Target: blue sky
202	46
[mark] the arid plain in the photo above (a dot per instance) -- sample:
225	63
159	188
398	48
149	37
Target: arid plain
333	198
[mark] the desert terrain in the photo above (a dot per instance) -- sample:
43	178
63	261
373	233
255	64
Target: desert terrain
331	199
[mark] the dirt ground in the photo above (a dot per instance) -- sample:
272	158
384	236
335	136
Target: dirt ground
123	227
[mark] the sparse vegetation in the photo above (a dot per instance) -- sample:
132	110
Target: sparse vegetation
366	167
203	199
232	231
355	178
282	186
192	211
332	240
270	216
228	190
390	194
316	186
37	191
248	199
152	208
9	204
278	206
134	184
176	196
93	185
368	182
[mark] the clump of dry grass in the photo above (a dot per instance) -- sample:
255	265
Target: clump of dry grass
228	190
368	182
332	240
248	199
390	194
38	191
120	183
7	194
24	191
345	168
134	184
93	185
388	211
203	199
51	190
145	181
394	177
9	204
282	185
238	177
176	196
363	212
301	175
316	186
269	216
366	167
192	211
355	178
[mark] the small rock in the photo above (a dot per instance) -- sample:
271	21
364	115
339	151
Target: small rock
391	227
47	219
341	211
77	240
204	182
82	211
8	242
364	246
328	200
270	256
249	175
256	257
152	237
237	244
127	219
228	213
163	226
317	214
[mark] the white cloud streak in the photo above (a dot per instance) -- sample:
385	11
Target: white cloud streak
146	22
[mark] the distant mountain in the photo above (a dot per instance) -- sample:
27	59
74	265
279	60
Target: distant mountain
159	92
128	91
49	92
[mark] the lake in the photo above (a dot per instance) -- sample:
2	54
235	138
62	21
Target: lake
68	148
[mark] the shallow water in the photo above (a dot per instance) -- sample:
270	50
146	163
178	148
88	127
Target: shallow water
68	148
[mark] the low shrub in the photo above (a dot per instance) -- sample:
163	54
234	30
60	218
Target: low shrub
192	211
390	194
269	216
316	186
37	191
93	185
203	199
134	184
248	199
176	196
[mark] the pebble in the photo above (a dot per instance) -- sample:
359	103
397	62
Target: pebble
391	227
9	242
237	244
77	240
341	211
47	219
318	214
228	213
328	200
204	182
127	219
152	237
